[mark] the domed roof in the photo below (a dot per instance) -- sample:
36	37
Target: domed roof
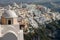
9	14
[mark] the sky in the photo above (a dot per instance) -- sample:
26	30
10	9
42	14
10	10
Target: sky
5	1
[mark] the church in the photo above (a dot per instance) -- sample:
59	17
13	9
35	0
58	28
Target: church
9	27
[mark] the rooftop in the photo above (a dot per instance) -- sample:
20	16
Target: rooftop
9	14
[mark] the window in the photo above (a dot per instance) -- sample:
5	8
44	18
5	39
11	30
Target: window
34	14
22	26
9	22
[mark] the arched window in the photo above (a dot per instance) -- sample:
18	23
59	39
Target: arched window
9	22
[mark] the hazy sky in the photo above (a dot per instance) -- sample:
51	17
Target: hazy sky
27	0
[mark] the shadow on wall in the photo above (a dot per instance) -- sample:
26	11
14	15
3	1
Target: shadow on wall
9	36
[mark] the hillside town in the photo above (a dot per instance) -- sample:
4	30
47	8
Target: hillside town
19	18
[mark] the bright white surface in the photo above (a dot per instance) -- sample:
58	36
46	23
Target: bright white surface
9	14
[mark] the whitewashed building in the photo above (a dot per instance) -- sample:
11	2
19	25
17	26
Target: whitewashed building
9	28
